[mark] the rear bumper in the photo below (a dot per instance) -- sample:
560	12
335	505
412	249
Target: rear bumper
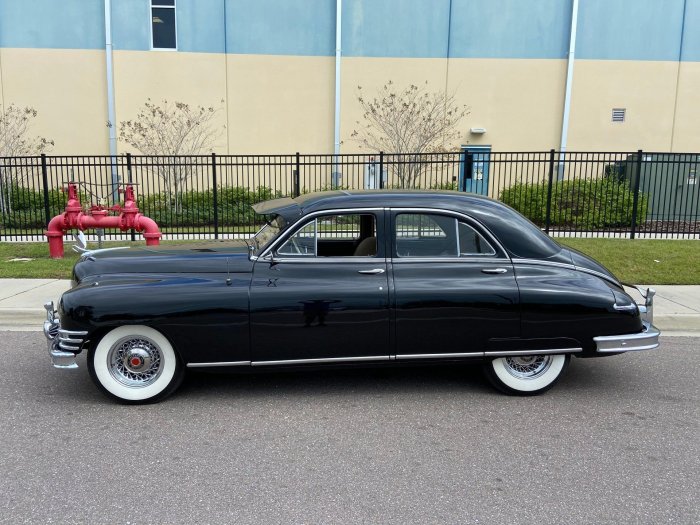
647	339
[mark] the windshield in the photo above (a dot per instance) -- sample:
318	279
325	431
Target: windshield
268	232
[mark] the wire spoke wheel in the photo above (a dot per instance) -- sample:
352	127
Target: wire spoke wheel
135	364
526	374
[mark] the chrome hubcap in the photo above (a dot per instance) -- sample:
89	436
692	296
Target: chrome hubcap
528	366
135	361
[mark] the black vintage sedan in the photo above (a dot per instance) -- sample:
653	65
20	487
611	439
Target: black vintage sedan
351	278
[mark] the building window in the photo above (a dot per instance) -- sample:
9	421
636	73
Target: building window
618	114
163	27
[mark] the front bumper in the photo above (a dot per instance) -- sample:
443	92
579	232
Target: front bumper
62	344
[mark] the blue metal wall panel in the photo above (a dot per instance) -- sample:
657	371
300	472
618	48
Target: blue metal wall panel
386	28
281	27
200	25
608	29
68	24
130	25
629	29
510	29
691	33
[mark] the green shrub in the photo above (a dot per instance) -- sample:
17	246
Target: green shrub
582	204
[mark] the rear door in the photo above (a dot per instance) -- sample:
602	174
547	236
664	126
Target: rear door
455	292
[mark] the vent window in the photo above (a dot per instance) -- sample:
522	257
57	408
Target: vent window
618	114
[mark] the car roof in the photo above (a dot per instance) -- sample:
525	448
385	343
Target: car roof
518	235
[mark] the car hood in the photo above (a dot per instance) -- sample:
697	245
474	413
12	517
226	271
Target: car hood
215	257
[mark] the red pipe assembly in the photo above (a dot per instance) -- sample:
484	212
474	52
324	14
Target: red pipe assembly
97	217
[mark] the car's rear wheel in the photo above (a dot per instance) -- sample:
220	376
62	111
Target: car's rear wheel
135	364
526	375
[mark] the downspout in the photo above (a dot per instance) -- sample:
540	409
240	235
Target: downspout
338	56
569	82
111	116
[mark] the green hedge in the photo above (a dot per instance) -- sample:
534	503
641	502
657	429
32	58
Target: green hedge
581	204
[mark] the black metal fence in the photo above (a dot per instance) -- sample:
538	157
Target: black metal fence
626	194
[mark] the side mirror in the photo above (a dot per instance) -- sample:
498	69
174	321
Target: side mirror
80	245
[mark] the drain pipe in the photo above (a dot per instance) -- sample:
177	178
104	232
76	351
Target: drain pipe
569	82
335	177
111	116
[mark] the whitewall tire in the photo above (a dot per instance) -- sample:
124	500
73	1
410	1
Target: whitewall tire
135	364
526	375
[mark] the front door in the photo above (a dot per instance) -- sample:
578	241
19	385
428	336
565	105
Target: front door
455	289
322	294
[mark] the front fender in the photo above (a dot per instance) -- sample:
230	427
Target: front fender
204	317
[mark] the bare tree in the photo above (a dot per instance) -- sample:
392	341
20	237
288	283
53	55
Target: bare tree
410	121
172	129
16	141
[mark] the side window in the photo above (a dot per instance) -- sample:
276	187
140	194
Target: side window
163	27
425	235
302	243
471	243
347	235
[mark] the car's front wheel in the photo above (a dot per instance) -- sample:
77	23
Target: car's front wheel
135	364
526	375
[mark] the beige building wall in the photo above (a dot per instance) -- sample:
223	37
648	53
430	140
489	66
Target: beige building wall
283	104
646	89
280	104
686	132
69	91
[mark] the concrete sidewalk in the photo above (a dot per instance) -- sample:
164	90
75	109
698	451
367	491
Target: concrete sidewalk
676	308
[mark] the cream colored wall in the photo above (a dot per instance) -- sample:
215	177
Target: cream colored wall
645	88
268	104
519	102
68	90
281	104
686	135
192	78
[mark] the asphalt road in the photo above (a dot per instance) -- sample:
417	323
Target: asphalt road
616	441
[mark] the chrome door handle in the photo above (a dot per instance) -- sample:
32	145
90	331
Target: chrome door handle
374	271
493	270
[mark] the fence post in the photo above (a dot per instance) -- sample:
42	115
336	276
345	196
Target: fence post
216	196
635	202
548	216
45	181
130	180
297	189
381	170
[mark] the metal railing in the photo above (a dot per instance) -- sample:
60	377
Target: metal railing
624	194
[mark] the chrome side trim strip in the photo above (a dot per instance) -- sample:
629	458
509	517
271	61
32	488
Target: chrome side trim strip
218	363
322	360
533	352
439	356
647	339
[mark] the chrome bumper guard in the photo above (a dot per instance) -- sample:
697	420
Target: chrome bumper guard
62	344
